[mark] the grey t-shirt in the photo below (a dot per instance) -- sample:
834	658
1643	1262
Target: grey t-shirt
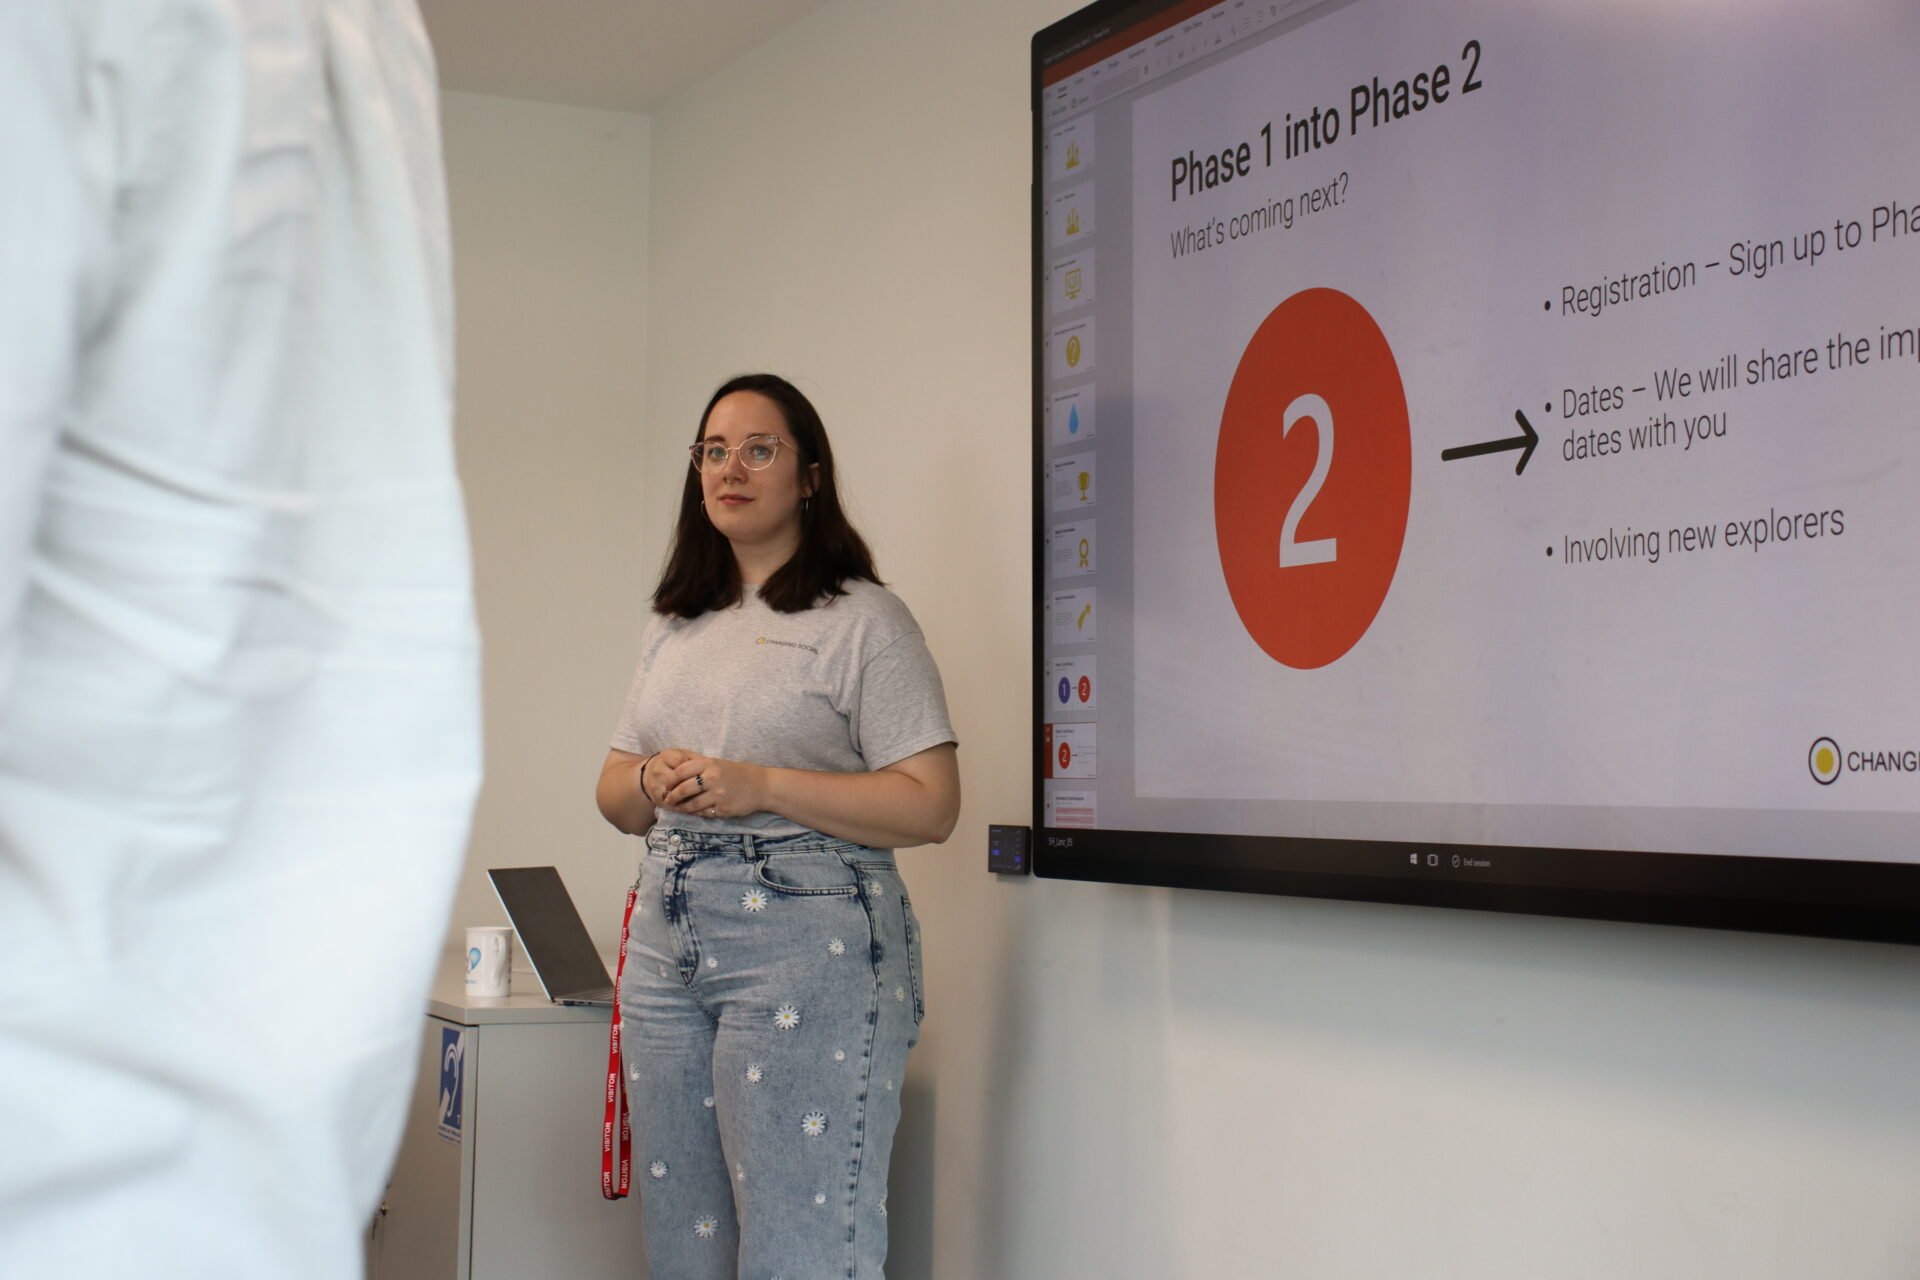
847	687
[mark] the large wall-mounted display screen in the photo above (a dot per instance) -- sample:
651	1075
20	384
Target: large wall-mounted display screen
1477	455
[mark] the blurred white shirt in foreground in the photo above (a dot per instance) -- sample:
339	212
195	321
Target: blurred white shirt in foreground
239	686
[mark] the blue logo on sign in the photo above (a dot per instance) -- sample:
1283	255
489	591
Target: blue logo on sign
453	1052
1066	690
1073	420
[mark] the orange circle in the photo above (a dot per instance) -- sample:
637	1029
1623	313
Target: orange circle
1317	345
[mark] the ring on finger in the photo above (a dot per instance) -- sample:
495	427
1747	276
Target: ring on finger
699	782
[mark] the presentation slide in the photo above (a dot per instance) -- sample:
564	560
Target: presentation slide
1509	426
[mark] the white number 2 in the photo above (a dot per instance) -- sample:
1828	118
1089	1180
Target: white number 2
1323	550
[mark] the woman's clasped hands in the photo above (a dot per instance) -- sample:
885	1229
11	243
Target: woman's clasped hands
681	781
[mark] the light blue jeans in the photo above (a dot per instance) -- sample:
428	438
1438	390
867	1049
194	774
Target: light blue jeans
771	992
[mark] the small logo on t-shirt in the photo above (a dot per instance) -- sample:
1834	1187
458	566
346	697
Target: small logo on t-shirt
788	644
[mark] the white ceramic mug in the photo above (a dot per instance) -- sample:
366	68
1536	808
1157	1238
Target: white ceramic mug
489	959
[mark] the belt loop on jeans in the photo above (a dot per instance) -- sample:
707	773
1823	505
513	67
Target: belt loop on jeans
746	845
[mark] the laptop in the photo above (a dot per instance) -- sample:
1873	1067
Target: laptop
553	935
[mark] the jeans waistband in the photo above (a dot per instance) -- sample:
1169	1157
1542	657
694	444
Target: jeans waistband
665	839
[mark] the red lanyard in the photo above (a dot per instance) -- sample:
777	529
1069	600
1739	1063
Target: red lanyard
616	1082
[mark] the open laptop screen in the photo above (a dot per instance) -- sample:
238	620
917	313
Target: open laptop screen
550	928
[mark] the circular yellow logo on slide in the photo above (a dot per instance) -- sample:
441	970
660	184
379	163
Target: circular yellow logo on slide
1823	761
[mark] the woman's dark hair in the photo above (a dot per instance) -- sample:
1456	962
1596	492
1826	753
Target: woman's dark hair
701	573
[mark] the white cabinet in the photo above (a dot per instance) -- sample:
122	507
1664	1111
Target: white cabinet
513	1191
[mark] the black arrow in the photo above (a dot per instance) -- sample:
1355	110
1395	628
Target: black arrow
1524	442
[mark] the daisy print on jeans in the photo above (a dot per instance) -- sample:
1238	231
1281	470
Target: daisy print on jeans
754	899
814	1123
786	1017
707	1228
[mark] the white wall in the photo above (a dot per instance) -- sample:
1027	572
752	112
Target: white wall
549	210
1137	1083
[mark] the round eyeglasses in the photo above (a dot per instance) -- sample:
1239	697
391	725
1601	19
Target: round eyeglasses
756	453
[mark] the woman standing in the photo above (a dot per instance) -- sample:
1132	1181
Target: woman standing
786	729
